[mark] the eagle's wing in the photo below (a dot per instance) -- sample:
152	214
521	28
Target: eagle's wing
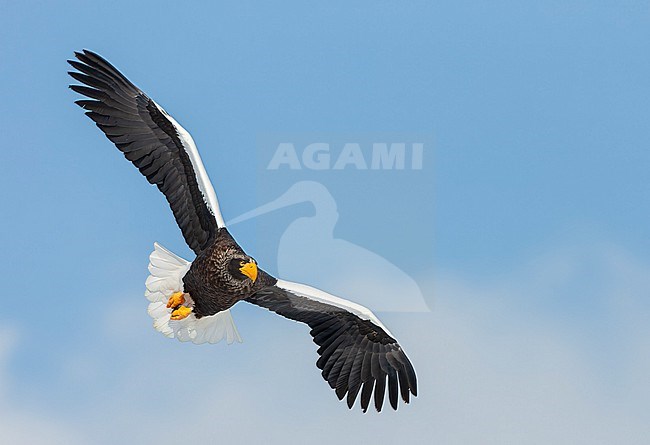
355	348
153	141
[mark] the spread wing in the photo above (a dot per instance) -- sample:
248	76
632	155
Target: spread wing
153	141
357	352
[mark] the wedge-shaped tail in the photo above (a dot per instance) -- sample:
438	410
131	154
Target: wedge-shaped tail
167	271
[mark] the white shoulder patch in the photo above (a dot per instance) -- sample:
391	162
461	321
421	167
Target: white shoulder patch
312	293
167	271
202	178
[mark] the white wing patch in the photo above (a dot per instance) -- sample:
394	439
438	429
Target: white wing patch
167	271
312	293
209	196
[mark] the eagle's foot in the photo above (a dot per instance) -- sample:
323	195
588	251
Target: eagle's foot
175	300
181	312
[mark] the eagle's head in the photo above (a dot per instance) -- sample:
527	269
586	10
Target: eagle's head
243	268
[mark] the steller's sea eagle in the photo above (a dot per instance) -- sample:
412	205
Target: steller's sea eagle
191	301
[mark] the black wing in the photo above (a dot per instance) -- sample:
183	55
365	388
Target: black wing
355	349
153	141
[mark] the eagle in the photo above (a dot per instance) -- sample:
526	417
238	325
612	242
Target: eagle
190	301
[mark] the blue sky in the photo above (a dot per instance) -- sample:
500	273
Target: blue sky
526	228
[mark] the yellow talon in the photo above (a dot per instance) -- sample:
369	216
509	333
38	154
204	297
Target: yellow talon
176	299
181	313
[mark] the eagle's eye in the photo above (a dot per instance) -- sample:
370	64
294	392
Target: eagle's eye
241	263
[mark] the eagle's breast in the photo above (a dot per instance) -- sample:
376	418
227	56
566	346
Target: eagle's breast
209	282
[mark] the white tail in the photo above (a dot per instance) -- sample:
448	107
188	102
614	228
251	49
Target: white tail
167	272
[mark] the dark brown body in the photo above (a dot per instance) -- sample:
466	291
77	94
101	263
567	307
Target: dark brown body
211	285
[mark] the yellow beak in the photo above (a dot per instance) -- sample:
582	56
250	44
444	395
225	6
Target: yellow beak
250	270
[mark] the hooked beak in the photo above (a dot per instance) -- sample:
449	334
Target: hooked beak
250	270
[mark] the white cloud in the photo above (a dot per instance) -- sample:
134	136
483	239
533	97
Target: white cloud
27	425
498	363
512	367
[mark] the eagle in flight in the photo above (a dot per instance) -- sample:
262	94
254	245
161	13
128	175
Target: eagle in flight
191	301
